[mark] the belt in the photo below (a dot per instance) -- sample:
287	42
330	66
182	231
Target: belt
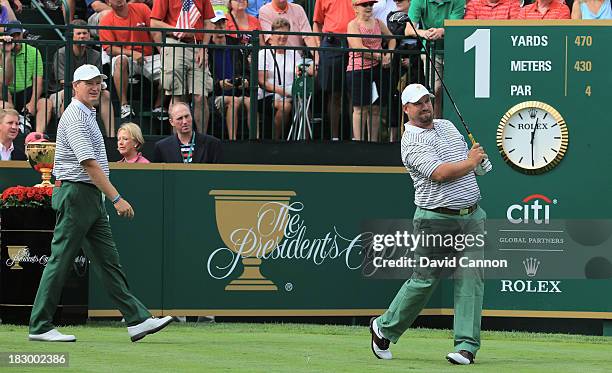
461	212
59	183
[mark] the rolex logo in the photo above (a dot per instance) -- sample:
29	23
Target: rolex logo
531	266
532	113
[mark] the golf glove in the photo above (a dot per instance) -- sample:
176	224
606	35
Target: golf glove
484	167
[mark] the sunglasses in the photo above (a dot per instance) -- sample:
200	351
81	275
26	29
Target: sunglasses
399	1
367	5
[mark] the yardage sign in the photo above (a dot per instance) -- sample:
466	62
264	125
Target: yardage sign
536	95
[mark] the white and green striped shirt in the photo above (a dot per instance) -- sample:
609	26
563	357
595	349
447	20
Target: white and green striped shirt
423	150
78	139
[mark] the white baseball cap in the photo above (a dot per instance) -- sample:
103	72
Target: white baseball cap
413	93
87	72
219	15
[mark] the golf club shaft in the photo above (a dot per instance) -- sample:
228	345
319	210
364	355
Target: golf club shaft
433	64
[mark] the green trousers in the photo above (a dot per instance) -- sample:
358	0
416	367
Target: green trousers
82	222
468	282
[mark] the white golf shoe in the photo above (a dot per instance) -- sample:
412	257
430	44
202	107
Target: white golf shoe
149	326
380	344
52	335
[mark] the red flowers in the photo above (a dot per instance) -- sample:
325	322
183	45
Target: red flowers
20	196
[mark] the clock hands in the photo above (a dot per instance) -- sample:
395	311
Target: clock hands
535	127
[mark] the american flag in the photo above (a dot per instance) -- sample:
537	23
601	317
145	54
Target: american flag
187	18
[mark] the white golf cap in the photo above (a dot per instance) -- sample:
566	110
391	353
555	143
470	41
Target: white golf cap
87	72
413	93
219	15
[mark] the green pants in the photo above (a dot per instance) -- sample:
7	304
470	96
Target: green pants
469	286
82	222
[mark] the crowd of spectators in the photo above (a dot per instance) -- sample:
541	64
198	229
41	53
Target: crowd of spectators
217	78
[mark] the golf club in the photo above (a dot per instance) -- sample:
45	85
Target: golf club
485	162
433	65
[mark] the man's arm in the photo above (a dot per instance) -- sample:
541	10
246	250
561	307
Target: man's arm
454	170
99	6
8	71
98	177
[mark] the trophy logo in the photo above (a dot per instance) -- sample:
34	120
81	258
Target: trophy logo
41	157
531	266
16	254
245	217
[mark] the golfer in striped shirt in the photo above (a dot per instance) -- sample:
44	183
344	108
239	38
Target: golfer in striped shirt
82	168
446	195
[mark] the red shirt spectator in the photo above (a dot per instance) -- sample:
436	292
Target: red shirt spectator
231	26
492	9
139	16
334	15
554	9
168	11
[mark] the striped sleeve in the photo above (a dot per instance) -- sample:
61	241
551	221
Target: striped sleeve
78	137
421	157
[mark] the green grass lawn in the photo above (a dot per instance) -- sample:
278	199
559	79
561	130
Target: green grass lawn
224	347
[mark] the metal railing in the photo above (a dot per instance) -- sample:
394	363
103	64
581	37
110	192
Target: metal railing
249	97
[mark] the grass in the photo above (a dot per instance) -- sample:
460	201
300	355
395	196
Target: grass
230	347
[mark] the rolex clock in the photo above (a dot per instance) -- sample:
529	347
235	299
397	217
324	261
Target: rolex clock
532	137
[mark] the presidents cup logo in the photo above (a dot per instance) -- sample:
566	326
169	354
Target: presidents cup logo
16	255
531	266
256	225
535	208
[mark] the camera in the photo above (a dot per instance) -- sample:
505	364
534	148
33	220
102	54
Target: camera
238	81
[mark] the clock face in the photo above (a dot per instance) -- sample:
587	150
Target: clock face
532	137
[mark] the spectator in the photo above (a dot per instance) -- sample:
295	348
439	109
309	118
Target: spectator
545	9
296	16
27	85
362	75
81	54
277	69
492	9
332	17
96	10
431	15
187	145
6	13
239	20
185	71
255	6
591	9
130	142
6	70
382	8
9	129
405	68
132	59
13	7
228	68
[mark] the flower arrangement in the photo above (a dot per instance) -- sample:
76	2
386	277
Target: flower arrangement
21	196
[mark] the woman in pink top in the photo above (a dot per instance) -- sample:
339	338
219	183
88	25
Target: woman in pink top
362	74
129	143
239	20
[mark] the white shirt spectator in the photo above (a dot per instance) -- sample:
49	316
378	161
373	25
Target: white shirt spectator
382	8
281	73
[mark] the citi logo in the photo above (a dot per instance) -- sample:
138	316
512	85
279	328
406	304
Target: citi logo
531	266
535	207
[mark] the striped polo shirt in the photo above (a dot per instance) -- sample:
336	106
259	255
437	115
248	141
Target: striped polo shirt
78	139
423	150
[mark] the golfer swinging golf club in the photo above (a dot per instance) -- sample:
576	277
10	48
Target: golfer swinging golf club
446	195
82	167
